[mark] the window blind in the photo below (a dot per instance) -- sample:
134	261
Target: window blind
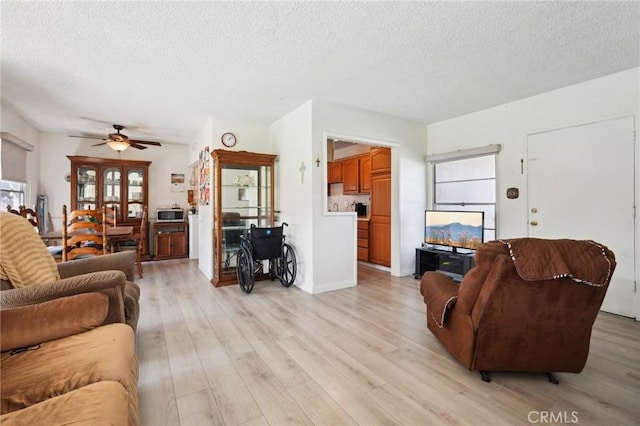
13	158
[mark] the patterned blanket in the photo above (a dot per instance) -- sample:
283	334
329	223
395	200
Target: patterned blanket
24	259
583	261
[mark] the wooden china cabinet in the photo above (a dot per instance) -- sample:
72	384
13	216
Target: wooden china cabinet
120	184
242	194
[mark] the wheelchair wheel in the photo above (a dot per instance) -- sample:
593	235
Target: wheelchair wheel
244	270
287	265
272	269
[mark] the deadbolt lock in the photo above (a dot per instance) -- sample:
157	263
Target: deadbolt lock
533	223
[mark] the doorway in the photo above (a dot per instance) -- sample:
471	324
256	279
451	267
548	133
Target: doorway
359	180
581	186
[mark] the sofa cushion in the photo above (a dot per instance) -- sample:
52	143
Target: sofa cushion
52	319
60	366
102	403
24	258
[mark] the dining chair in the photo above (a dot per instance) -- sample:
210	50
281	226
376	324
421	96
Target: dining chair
111	219
10	210
136	243
112	215
83	233
31	216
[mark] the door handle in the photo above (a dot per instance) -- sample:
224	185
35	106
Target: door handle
533	223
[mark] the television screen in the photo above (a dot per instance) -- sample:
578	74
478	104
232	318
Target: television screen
458	229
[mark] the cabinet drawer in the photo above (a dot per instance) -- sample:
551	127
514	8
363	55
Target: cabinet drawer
363	254
363	233
363	224
363	242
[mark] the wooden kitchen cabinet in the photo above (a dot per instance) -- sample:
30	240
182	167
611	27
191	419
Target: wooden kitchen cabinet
170	240
334	172
380	219
350	176
119	184
380	160
365	174
363	240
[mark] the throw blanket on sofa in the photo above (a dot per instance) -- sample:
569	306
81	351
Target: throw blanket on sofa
24	259
583	261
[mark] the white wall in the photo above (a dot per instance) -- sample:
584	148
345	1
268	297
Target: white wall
509	124
291	140
12	122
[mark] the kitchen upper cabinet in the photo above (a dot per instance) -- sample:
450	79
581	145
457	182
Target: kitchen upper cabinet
350	176
380	160
356	175
365	174
334	172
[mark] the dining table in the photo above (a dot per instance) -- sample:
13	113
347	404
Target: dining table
112	232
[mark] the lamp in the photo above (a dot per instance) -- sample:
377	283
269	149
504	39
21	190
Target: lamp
118	145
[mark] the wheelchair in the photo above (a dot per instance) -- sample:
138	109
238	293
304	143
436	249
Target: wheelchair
262	244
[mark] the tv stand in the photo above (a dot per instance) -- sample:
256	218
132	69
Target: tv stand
450	263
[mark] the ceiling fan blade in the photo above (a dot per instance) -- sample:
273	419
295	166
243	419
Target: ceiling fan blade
86	137
146	142
98	144
132	144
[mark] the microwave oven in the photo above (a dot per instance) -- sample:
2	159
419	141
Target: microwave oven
170	215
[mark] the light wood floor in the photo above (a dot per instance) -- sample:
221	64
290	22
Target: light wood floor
360	356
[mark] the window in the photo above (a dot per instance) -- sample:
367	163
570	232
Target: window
12	194
468	184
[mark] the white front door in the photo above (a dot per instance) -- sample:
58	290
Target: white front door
581	186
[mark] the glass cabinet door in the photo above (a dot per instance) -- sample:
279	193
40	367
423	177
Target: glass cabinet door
245	195
111	187
87	192
242	184
135	193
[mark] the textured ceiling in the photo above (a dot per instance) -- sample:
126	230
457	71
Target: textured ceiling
164	67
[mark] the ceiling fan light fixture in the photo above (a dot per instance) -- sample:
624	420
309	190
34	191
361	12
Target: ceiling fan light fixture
118	145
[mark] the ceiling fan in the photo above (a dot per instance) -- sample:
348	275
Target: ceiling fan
119	141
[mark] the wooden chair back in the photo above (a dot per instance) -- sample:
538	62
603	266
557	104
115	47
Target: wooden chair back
138	238
31	216
84	233
10	210
112	215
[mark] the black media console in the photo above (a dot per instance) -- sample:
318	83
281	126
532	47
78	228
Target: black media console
455	265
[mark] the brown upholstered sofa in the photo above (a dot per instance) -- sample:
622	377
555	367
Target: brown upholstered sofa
60	369
529	305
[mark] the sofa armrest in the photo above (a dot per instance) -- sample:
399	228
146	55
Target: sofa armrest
28	325
124	261
440	294
110	283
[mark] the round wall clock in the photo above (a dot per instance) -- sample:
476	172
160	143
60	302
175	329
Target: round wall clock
228	139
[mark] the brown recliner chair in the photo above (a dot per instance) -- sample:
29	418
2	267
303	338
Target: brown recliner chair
25	261
529	305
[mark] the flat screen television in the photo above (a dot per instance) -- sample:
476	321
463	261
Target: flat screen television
457	229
